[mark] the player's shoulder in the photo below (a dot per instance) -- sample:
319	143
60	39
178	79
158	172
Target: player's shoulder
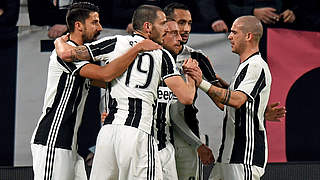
256	64
163	53
257	60
105	40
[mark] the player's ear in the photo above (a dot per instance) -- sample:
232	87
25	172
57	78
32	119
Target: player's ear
249	36
148	27
78	25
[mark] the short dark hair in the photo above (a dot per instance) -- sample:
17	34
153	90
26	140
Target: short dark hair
144	13
79	12
169	9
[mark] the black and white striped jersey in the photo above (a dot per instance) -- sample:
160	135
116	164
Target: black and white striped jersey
64	101
189	111
244	137
162	117
133	95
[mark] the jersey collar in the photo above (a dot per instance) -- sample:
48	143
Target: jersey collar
256	53
134	34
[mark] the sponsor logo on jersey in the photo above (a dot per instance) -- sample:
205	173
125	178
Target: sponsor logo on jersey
165	95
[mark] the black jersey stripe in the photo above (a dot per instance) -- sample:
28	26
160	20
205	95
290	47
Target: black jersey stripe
239	144
190	117
249	133
61	108
54	128
205	66
138	112
167	66
103	47
56	125
49	163
135	111
112	105
259	136
153	159
68	65
42	133
223	138
241	76
260	84
161	125
247	173
57	114
148	168
131	113
154	107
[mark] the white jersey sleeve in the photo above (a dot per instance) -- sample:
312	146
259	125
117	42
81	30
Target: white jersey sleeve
68	67
102	49
249	84
169	67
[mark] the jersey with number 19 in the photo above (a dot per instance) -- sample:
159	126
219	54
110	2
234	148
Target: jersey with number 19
125	142
133	94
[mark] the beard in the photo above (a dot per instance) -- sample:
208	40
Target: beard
156	36
87	38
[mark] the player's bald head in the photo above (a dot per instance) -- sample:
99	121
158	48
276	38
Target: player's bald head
250	24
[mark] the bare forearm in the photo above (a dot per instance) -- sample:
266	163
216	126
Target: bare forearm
112	70
75	53
70	53
116	67
184	91
227	97
191	84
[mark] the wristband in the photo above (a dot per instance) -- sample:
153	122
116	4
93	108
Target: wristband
204	85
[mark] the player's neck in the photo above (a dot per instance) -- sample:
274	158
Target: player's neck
76	37
249	52
141	33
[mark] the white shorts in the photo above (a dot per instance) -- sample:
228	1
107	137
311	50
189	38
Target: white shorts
168	162
124	152
57	164
186	159
223	171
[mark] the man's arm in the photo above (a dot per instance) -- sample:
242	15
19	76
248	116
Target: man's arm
272	113
206	66
225	96
219	95
204	152
222	83
116	67
70	53
184	91
180	126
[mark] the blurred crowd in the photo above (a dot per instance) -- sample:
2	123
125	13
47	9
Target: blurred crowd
208	15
